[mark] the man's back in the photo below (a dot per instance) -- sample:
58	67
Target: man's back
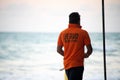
73	39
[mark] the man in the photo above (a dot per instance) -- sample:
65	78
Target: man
73	39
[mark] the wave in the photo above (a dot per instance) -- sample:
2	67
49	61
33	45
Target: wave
107	49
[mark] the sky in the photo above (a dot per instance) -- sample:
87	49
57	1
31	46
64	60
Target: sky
52	15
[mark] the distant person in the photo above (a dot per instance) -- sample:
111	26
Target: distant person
73	40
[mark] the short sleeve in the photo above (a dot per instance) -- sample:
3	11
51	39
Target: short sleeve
87	40
60	43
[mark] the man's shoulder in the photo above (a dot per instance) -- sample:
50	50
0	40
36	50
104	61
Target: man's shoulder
84	31
79	30
65	30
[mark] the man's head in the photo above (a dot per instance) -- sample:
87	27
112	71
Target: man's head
74	18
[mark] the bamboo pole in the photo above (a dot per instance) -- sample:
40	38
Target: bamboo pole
104	47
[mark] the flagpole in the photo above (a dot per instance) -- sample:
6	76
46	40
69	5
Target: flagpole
104	50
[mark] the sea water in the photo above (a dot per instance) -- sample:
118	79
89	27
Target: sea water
33	56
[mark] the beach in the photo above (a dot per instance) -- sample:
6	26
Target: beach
33	56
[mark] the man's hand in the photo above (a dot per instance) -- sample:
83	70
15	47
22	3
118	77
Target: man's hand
86	55
60	51
89	51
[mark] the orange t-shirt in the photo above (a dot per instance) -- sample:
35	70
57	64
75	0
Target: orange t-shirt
73	39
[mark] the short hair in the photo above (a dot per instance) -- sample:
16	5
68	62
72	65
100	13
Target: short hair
74	17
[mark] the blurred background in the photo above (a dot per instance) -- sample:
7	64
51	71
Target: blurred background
28	38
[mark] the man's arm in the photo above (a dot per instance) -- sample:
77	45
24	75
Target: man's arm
89	51
60	50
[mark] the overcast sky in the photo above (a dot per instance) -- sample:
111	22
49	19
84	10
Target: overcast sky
52	15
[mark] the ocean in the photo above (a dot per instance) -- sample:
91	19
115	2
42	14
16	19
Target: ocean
33	56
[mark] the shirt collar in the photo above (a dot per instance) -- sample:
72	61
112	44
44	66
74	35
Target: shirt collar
74	25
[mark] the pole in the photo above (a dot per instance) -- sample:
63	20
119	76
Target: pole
104	50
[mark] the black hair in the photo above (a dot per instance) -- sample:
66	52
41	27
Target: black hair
74	18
